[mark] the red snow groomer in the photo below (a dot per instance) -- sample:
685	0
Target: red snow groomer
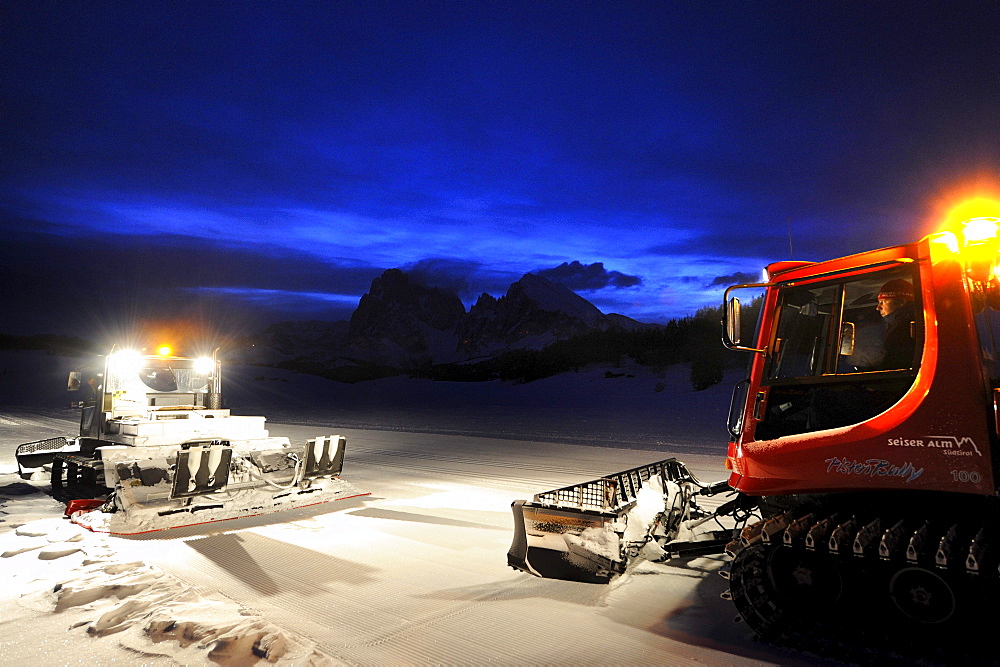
863	451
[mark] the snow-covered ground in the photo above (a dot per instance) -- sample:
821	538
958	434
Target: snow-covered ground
414	573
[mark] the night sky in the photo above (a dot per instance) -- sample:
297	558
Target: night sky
250	162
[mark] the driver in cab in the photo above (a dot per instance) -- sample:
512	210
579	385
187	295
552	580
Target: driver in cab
895	305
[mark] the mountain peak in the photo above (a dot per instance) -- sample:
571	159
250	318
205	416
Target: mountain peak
534	312
395	296
554	297
404	324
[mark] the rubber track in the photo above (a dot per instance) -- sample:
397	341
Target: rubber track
873	556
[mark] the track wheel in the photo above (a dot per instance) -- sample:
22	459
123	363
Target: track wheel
751	591
775	587
922	596
807	581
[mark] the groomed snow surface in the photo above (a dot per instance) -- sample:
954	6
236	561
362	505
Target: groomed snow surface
415	573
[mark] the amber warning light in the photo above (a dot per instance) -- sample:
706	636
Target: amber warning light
981	230
972	229
973	220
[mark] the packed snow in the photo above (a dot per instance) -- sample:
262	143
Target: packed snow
414	573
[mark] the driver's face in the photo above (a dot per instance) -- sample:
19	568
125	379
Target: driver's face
886	306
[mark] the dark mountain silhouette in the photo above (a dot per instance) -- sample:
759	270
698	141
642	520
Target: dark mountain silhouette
537	329
534	313
403	324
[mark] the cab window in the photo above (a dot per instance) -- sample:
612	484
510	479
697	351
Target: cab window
842	352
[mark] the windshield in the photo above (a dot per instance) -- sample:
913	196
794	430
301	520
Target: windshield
842	351
157	375
166	378
867	323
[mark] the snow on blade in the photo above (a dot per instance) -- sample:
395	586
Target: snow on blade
138	520
604	523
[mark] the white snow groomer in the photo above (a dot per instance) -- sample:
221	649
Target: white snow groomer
156	450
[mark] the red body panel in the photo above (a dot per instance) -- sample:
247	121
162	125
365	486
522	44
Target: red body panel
936	437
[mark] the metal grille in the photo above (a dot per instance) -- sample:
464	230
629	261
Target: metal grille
613	492
42	445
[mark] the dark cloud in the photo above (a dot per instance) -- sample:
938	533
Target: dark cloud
450	274
587	277
86	286
738	278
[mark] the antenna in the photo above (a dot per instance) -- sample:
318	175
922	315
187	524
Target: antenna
791	253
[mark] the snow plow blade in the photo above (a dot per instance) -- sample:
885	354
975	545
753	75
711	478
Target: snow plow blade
201	482
33	456
591	532
550	550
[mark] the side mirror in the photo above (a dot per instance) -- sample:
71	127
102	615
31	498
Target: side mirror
733	321
847	339
75	381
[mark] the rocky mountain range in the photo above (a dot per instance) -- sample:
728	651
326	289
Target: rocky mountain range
402	324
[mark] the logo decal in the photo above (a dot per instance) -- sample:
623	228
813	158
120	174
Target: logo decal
873	468
954	444
950	445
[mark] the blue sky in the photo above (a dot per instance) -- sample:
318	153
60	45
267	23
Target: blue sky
261	161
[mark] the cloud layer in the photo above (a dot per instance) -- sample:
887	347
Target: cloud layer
278	157
585	278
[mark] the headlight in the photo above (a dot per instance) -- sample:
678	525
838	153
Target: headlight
204	365
126	362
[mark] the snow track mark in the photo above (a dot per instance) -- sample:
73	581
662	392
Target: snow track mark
355	613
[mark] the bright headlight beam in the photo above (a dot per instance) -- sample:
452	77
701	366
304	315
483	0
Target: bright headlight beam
125	362
204	365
